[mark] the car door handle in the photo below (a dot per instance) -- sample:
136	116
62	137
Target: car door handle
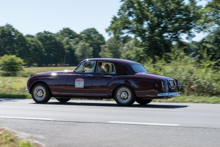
89	75
108	76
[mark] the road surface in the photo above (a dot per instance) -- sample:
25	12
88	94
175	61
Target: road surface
104	123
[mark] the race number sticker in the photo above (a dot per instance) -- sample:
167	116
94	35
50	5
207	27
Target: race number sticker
79	83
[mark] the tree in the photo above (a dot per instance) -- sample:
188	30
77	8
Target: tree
67	32
11	63
83	51
211	21
212	14
37	51
94	39
212	44
157	24
7	40
70	40
111	49
131	51
70	47
12	42
54	51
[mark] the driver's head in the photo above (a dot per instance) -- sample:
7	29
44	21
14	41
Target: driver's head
100	64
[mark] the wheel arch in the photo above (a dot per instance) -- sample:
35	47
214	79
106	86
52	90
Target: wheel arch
124	84
37	82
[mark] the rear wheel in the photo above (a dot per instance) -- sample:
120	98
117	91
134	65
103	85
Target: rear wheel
143	101
63	100
124	96
40	93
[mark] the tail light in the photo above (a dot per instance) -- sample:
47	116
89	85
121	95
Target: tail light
163	86
178	84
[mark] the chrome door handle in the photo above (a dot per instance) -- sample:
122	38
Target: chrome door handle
108	76
89	75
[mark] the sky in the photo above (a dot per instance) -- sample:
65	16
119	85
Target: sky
33	16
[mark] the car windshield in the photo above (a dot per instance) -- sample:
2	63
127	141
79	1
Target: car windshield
138	68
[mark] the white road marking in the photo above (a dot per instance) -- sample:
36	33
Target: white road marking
142	123
153	109
28	118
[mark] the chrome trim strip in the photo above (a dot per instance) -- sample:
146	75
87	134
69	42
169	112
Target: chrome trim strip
81	94
26	91
169	94
108	76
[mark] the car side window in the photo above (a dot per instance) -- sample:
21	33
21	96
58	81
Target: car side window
86	67
106	68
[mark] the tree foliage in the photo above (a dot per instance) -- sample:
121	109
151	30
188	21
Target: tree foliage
156	23
83	51
212	14
94	39
111	49
143	30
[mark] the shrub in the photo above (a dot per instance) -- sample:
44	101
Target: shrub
196	77
11	63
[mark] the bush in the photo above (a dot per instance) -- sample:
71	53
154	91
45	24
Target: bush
196	77
11	63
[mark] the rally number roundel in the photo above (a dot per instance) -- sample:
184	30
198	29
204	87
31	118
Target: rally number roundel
79	83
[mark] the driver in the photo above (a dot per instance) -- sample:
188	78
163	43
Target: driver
99	68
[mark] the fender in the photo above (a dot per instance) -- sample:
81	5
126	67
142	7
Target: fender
118	81
31	84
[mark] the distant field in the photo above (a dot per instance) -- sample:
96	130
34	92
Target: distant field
46	69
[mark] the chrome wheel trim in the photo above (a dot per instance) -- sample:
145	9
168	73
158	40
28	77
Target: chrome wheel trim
124	95
39	93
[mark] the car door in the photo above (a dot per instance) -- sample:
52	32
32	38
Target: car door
80	81
100	80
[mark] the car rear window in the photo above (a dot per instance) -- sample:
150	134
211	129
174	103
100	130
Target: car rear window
138	68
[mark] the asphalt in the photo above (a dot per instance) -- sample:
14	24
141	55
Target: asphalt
104	123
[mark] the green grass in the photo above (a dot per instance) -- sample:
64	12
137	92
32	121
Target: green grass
192	99
13	85
7	139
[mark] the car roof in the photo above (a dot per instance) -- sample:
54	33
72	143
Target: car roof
113	60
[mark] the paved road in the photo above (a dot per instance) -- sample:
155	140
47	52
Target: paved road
103	123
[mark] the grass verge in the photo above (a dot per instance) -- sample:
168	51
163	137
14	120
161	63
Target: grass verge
7	139
191	99
13	86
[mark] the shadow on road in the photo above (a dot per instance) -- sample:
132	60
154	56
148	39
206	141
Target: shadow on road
10	99
164	106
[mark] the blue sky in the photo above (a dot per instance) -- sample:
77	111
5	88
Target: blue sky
33	16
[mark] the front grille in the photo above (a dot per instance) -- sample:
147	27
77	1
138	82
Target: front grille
172	84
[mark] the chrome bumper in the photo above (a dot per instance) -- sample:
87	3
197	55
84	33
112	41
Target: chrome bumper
26	91
169	94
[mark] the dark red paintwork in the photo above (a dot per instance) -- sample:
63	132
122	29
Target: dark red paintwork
62	84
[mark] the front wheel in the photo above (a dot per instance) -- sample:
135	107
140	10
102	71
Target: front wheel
40	93
63	100
124	96
143	101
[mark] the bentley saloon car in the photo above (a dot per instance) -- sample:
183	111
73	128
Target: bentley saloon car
123	80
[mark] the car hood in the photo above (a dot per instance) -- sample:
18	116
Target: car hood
53	73
152	76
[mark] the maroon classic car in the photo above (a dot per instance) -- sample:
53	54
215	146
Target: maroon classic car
125	81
